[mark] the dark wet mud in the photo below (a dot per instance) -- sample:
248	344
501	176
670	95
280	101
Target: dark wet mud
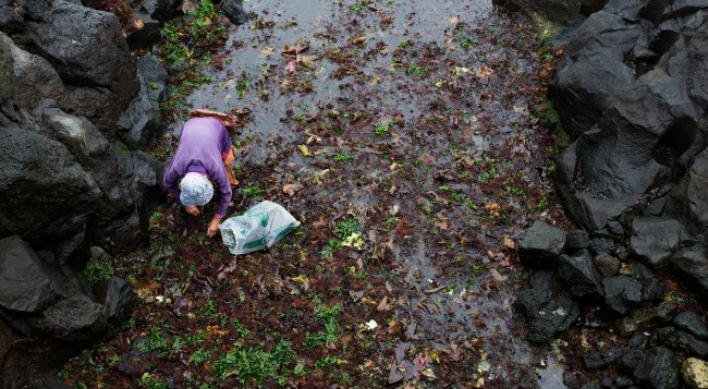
402	135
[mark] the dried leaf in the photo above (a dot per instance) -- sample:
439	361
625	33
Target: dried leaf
303	150
215	331
429	308
358	40
302	280
454	19
428	373
291	67
419	364
484	71
356	295
384	305
497	276
313	139
491	254
442	223
308	61
291	189
493	208
396	373
225	270
294	50
508	243
433	355
320	223
266	51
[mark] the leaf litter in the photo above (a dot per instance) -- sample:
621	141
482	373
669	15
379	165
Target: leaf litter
412	122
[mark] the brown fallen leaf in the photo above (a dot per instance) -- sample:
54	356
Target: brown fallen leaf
384	305
442	223
428	307
266	51
291	51
497	276
491	254
493	208
358	40
291	189
307	61
508	243
225	270
215	331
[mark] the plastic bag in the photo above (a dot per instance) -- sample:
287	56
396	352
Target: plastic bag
259	228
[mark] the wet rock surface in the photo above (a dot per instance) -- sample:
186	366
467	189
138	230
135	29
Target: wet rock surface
45	321
67	182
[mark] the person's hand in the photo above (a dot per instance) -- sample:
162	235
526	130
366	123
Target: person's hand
213	227
192	210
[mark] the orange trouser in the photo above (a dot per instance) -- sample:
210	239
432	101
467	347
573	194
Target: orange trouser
228	165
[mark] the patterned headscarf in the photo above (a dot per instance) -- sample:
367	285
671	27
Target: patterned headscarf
196	189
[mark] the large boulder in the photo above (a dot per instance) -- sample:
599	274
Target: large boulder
140	125
65	167
629	59
46	193
66	181
24	286
547	311
49	313
86	48
691	264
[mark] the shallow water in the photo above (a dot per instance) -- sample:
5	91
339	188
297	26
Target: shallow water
442	88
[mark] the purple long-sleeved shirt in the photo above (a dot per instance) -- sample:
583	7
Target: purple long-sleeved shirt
204	144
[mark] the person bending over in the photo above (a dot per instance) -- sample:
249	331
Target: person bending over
199	168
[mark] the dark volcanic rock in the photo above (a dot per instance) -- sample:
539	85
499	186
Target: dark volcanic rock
655	239
87	50
233	9
24	285
581	275
658	368
622	293
690	321
630	58
541	245
691	263
607	265
547	313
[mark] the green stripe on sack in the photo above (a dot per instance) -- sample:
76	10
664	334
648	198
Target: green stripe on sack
256	243
283	231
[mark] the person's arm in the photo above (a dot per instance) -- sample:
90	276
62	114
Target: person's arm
224	195
170	182
223	198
